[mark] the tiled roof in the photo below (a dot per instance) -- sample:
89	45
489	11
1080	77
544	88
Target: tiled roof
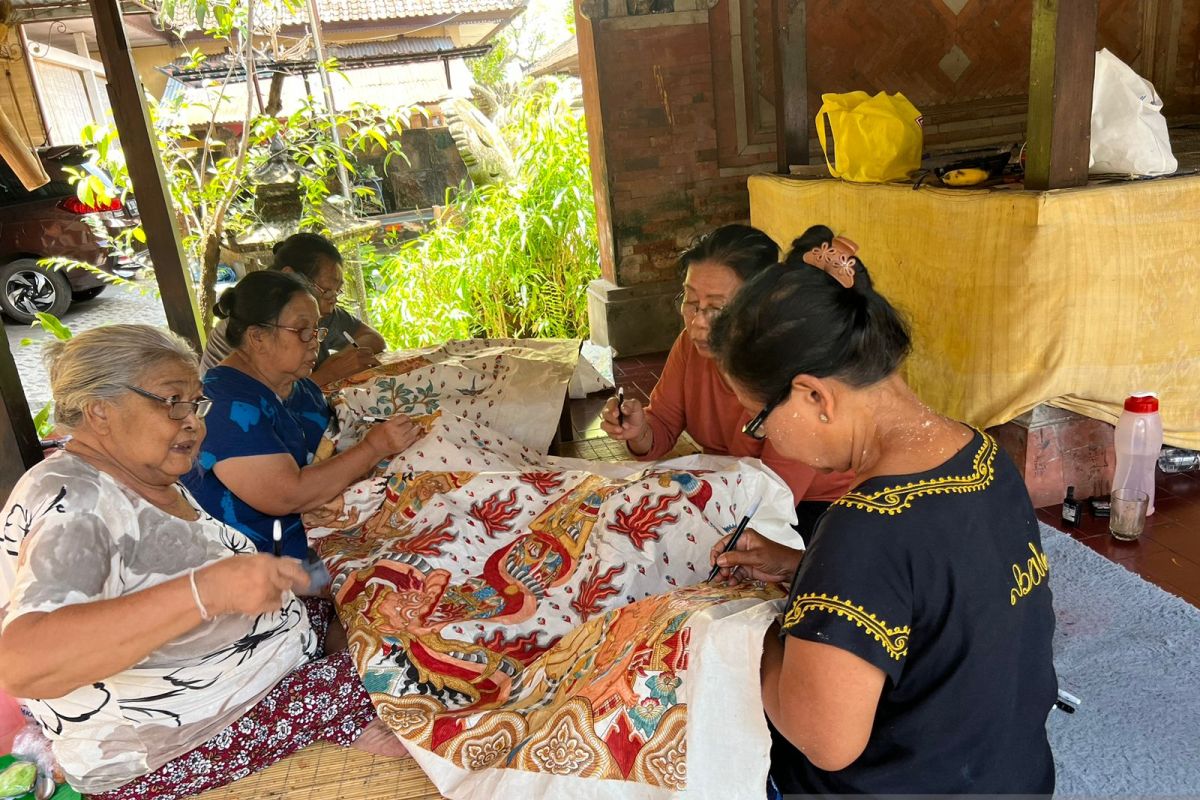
277	14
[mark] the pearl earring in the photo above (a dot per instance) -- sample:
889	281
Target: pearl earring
824	418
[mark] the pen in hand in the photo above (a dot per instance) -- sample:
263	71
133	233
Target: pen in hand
277	539
350	339
620	403
733	540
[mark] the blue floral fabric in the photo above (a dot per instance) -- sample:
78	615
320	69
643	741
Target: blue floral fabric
248	419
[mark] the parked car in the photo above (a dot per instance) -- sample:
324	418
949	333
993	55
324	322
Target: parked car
52	221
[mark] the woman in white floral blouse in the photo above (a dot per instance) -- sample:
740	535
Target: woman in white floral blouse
160	653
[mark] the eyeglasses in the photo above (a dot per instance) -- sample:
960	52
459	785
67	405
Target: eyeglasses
753	428
306	334
328	294
177	409
690	308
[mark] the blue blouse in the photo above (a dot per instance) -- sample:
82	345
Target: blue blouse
248	419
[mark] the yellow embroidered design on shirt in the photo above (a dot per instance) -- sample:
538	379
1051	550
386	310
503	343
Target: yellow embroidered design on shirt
894	640
897	499
1030	575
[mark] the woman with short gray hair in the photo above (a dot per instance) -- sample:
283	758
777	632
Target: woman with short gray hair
160	653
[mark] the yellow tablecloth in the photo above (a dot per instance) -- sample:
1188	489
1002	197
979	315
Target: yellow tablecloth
1074	297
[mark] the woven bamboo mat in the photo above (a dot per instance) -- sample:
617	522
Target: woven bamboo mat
327	772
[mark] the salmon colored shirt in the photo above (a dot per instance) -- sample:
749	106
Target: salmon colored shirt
692	396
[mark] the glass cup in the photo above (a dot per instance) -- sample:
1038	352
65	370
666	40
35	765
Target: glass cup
1127	517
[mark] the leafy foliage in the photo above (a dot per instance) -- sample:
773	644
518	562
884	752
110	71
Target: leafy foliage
511	259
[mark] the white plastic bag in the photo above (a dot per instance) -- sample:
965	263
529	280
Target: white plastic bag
1129	132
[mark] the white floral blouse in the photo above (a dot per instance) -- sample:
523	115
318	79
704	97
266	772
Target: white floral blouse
72	534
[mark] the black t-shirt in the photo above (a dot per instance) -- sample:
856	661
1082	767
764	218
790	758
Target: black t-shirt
939	580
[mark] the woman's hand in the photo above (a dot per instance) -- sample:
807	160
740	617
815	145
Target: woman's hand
343	364
755	558
634	430
392	436
250	584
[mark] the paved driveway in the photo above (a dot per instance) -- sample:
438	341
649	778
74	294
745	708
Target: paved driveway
116	304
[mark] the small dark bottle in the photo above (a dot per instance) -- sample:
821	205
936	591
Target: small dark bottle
1070	508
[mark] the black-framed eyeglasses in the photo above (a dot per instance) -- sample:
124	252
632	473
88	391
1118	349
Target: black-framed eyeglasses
754	428
177	409
306	334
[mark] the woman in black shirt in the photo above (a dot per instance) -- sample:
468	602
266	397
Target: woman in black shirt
916	648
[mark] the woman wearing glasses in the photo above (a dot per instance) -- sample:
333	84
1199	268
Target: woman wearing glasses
318	261
914	653
268	417
157	650
692	396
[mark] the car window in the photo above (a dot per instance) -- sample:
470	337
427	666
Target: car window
12	192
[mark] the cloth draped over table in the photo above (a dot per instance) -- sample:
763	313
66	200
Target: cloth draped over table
534	626
1075	298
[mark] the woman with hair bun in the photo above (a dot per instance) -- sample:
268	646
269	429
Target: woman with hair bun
914	654
268	417
691	395
317	260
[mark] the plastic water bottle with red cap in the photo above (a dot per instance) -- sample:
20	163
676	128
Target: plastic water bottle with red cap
1139	438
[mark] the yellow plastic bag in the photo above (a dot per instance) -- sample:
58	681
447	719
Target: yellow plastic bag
875	139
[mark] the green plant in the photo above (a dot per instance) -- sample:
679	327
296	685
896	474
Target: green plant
509	259
42	420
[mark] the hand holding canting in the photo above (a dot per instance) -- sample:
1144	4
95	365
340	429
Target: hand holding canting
634	429
755	558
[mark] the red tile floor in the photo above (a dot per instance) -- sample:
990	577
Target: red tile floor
1167	554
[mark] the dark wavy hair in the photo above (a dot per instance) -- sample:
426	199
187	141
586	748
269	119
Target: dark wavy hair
257	299
744	249
794	319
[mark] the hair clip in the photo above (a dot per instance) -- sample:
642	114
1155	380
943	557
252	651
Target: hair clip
836	259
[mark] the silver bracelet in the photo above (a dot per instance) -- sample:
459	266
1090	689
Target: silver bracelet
196	595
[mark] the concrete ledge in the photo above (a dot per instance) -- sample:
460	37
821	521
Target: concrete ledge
633	320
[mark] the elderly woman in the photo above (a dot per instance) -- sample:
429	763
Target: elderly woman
268	417
915	655
692	395
157	650
351	345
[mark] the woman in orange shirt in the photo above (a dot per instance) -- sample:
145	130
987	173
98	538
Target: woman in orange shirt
692	396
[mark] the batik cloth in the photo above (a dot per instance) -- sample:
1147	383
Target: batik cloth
323	700
75	535
515	387
529	625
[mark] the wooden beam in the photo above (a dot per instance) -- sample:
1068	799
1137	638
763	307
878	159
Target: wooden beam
1061	70
145	170
791	83
19	449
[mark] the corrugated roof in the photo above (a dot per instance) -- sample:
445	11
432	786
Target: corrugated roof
397	87
332	11
563	58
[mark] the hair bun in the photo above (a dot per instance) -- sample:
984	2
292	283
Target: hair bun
223	309
275	247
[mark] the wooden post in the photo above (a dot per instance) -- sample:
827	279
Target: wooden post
791	83
146	172
1061	70
19	449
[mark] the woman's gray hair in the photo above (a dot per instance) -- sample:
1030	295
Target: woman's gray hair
99	364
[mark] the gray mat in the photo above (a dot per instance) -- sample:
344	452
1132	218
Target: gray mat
1132	653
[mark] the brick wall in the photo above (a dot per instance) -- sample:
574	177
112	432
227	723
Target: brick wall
663	183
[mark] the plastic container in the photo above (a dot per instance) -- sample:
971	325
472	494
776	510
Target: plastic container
1175	459
1138	440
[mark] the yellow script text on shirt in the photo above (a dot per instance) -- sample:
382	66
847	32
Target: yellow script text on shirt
1028	575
